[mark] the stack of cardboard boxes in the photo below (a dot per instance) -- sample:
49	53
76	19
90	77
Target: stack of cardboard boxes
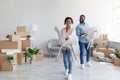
102	48
101	41
21	30
15	42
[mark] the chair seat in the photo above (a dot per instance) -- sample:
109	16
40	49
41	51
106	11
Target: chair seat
54	48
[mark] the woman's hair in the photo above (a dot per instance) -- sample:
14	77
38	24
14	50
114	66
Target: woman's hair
67	19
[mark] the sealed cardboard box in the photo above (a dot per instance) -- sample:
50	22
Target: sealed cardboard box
3	57
92	49
20	58
40	56
14	37
99	41
21	28
117	61
104	37
107	52
4	63
22	34
6	44
27	60
25	44
7	66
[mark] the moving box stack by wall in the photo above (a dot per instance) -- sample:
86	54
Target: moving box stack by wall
13	43
16	47
9	46
102	41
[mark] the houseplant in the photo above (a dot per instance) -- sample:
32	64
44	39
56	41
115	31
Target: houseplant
10	58
28	37
118	53
30	52
108	44
95	44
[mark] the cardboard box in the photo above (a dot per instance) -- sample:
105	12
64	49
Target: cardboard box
40	56
21	28
25	44
14	37
20	58
7	66
3	57
4	63
117	61
104	37
107	52
92	49
28	59
101	40
22	34
6	44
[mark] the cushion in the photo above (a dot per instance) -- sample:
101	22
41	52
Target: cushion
54	48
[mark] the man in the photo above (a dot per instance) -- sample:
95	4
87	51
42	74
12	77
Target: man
83	42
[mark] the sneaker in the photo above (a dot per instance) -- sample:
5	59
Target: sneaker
66	72
89	64
82	66
69	77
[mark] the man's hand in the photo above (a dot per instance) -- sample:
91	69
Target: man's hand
66	38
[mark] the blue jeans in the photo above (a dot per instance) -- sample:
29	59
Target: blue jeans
67	60
82	46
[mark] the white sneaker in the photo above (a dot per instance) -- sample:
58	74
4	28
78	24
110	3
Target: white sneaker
89	64
66	72
82	66
69	77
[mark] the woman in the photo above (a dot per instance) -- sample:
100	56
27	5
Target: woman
67	32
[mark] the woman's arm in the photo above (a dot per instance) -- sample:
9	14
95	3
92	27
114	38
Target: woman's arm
70	34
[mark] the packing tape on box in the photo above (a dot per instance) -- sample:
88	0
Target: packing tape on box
11	51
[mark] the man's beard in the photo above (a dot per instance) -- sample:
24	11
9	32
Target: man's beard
81	21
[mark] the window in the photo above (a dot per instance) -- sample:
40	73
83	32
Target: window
116	28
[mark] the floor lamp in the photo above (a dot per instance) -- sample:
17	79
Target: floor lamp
33	30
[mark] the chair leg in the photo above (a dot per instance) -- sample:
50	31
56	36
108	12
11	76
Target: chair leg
59	52
50	55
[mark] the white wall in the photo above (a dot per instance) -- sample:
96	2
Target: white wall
50	13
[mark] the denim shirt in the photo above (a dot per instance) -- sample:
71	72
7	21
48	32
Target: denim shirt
80	29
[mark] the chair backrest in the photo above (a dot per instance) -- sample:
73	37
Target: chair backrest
53	42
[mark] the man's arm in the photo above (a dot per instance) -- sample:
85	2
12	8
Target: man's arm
78	32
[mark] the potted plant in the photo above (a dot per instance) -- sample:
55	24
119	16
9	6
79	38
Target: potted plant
118	53
108	44
95	44
10	58
28	37
30	52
